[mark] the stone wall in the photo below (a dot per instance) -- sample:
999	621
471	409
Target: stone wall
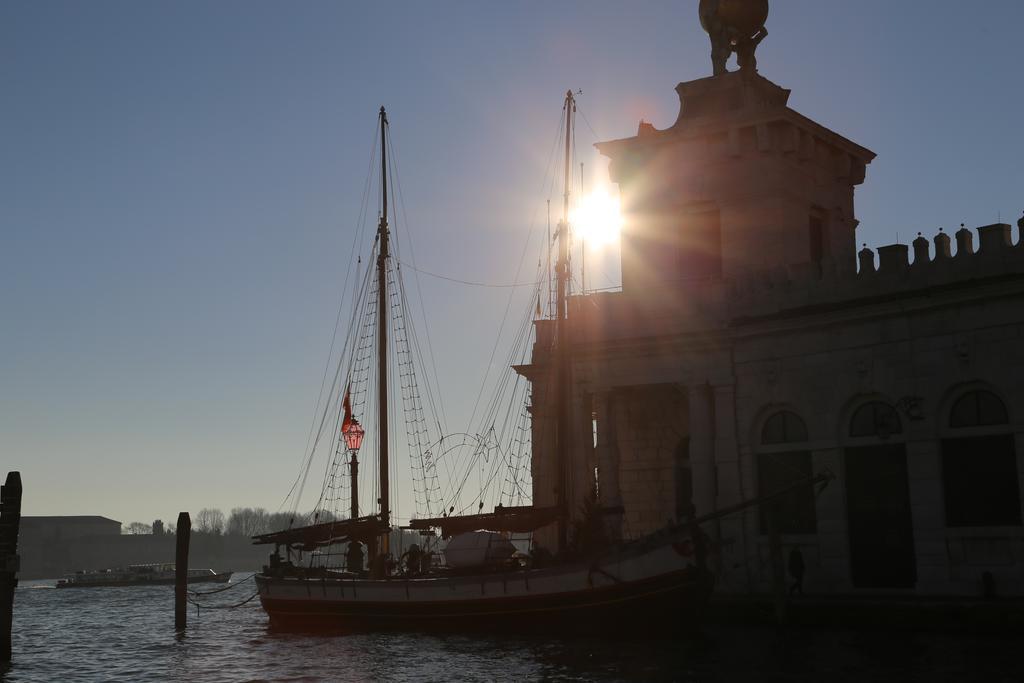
919	356
650	424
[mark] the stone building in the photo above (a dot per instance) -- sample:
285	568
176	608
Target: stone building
752	345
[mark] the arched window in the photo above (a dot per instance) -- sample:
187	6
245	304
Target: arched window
875	419
784	426
784	459
979	471
978	409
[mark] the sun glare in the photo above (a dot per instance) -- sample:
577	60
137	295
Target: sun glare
598	219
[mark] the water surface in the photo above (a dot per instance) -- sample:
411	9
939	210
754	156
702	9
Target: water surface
127	634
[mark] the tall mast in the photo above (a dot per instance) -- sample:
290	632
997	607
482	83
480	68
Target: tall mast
562	429
382	326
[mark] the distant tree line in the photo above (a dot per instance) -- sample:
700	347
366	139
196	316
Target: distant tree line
244	522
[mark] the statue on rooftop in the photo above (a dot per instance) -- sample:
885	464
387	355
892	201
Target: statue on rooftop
734	26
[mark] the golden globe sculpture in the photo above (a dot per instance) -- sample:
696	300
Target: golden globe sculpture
734	26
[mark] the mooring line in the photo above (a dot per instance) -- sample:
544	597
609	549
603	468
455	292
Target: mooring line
237	604
225	588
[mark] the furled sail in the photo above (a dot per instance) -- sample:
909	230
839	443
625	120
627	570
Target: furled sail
518	519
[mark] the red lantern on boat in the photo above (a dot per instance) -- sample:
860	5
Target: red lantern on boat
353	433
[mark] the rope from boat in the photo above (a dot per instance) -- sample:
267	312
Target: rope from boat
532	283
236	605
225	588
595	569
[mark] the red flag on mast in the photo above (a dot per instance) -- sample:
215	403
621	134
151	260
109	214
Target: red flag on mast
347	421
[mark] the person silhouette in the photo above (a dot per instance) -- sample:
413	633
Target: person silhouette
354	556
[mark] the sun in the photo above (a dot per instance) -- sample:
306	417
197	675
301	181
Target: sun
597	220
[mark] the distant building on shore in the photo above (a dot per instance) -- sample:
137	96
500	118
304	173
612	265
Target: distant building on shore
47	529
51	547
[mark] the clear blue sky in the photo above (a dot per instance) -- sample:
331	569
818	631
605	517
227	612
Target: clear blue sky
179	183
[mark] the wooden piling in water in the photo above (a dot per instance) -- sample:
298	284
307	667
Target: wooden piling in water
183	532
10	520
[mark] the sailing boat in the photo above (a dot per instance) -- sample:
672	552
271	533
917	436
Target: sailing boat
657	581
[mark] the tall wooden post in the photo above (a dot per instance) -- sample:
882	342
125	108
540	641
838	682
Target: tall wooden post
354	473
383	309
184	532
563	376
10	520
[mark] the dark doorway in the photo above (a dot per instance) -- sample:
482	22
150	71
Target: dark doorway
979	474
881	529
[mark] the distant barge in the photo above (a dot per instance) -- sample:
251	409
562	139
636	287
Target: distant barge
139	575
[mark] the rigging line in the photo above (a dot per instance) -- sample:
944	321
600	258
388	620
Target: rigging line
368	185
501	328
342	369
597	137
514	472
394	382
470	282
355	374
420	432
327	407
411	396
454	487
371	475
502	458
419	355
357	241
515	352
419	289
304	470
548	173
331	466
398	296
357	251
547	265
508	373
490	415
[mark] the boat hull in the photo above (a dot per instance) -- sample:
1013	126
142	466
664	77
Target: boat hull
656	590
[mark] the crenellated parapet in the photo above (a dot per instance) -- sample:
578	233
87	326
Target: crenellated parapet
899	268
